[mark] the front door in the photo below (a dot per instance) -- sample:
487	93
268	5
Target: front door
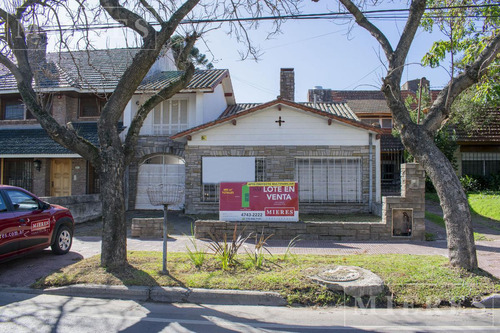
60	178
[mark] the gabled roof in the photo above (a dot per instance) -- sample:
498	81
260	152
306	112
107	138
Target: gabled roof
34	140
100	71
369	101
202	79
277	102
488	131
336	108
390	143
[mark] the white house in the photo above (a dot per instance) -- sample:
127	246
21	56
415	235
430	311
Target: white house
333	155
158	158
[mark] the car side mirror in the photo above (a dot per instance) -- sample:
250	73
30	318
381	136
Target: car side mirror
44	205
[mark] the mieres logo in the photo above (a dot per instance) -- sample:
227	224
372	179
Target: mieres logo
282	211
39	225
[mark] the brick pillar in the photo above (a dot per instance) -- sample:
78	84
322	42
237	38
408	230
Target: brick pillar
287	84
413	182
411	202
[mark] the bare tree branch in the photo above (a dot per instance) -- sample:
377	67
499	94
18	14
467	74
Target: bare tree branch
362	21
397	61
163	95
128	18
152	11
182	58
17	45
140	65
4	60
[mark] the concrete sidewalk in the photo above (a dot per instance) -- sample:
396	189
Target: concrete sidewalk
87	241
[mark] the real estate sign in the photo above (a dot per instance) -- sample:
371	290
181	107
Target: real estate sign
259	201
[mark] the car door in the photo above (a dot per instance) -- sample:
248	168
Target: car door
9	231
33	222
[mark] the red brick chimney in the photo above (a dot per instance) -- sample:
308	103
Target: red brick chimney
36	40
287	84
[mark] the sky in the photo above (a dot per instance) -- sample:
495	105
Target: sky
322	52
326	53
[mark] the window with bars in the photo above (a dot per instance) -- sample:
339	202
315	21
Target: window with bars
18	172
329	179
210	192
170	117
480	164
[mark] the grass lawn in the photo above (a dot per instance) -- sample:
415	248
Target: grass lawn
417	280
486	204
438	219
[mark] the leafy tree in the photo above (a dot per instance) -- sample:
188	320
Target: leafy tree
418	139
445	138
152	23
196	57
469	28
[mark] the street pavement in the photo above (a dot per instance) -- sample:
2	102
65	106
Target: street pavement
48	313
23	272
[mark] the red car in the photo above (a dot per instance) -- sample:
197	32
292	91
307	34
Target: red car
28	224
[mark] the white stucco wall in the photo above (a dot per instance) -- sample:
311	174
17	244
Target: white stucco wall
202	107
300	128
214	104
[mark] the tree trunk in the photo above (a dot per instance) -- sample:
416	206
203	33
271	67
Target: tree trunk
457	218
114	229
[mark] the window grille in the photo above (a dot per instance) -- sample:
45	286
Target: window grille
210	192
14	111
480	164
329	179
18	172
391	172
170	117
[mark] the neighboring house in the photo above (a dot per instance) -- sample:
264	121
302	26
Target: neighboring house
478	153
371	108
334	157
199	137
78	83
158	158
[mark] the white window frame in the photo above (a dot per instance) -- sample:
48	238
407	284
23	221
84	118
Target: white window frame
167	120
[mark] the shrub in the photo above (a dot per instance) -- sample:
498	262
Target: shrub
481	183
197	255
470	184
257	257
225	251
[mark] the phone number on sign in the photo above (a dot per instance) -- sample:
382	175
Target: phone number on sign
252	214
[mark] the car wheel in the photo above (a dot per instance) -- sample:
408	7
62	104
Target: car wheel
63	240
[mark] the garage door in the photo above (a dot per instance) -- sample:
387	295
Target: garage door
162	169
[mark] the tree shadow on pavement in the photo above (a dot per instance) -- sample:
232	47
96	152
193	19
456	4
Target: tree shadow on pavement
131	276
25	271
208	318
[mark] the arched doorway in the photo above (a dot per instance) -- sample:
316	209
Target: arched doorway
159	169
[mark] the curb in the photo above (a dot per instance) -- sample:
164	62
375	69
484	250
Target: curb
162	294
